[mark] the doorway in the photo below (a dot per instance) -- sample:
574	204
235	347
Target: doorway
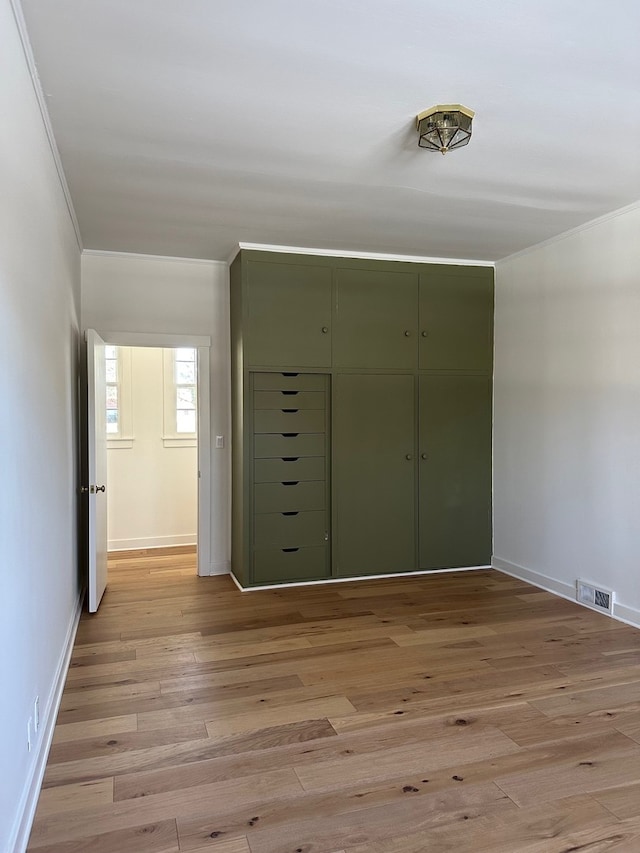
158	438
152	438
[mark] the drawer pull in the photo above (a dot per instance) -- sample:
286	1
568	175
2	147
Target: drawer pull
289	513
289	550
289	411
290	483
290	393
290	374
289	434
290	458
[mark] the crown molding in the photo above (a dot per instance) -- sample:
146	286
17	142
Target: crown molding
104	253
564	235
44	112
347	253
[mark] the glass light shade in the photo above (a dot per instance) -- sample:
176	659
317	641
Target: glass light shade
444	128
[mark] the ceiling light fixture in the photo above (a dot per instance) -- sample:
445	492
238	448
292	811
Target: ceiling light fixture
444	127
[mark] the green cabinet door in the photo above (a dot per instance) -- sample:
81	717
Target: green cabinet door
374	474
375	321
288	315
454	471
456	318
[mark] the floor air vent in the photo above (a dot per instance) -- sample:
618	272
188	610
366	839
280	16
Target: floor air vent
592	596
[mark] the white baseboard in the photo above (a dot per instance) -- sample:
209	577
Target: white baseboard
223	568
621	612
152	542
417	573
624	613
566	590
19	838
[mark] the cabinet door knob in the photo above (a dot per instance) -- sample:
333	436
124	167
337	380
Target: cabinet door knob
325	329
423	456
408	457
407	333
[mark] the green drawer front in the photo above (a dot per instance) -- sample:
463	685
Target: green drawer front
293	420
273	565
289	468
288	399
289	381
297	497
279	530
265	446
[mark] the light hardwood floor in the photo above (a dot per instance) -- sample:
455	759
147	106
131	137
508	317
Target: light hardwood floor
454	712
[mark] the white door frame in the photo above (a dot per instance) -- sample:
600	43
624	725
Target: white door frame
202	343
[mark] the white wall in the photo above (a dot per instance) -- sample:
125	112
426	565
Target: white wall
152	495
39	304
567	411
143	294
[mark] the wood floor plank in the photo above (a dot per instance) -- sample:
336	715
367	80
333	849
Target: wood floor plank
170	765
323	834
235	845
72	825
96	792
159	837
296	712
66	733
455	747
461	711
623	802
546	829
92	748
609	761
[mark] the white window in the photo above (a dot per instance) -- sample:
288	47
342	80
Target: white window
180	397
118	402
113	371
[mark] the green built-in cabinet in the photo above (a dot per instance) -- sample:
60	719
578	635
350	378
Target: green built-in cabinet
374	474
454	481
361	401
375	319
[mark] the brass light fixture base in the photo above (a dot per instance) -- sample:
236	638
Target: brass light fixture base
444	127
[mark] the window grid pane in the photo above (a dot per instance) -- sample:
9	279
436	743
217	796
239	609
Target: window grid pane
186	389
112	373
111	369
185	354
185	421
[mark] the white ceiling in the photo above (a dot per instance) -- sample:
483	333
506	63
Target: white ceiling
186	126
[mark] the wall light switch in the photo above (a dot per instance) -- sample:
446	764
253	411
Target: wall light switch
219	441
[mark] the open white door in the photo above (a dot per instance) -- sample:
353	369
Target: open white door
204	465
97	467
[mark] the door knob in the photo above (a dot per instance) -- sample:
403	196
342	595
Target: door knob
425	334
100	489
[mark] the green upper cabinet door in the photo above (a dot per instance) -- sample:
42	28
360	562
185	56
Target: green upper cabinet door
288	315
374	474
376	319
455	471
456	318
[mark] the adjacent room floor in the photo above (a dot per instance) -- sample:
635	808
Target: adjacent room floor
458	712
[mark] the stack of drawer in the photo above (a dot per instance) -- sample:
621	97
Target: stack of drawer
290	463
